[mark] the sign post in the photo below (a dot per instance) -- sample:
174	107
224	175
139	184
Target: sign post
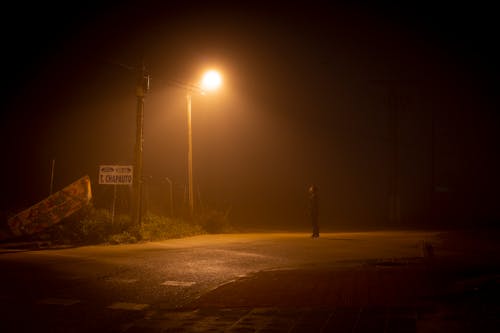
116	175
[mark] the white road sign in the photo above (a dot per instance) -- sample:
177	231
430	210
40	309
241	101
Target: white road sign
116	174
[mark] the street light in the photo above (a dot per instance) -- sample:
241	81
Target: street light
210	81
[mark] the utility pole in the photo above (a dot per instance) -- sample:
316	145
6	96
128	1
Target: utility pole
141	89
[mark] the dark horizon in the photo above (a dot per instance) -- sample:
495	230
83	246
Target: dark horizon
311	94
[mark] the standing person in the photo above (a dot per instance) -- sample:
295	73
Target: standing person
313	210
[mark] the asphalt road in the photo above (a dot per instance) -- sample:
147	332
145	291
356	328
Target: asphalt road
282	282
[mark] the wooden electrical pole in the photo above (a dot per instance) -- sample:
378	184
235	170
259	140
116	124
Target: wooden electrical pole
141	89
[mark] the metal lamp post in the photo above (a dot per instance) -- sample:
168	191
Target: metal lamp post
211	81
190	156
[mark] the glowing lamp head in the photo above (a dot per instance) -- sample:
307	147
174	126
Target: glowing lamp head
211	81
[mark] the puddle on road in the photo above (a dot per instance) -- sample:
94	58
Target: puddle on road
179	283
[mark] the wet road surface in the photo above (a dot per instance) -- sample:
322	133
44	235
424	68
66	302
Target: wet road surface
266	282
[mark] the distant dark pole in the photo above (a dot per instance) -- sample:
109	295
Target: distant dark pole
433	166
114	206
141	90
171	196
52	176
397	208
394	200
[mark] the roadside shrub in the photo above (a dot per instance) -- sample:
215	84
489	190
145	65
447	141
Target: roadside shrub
122	238
215	221
156	227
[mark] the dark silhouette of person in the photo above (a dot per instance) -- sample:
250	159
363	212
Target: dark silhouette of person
313	209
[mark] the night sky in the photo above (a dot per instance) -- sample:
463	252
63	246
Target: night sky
350	96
